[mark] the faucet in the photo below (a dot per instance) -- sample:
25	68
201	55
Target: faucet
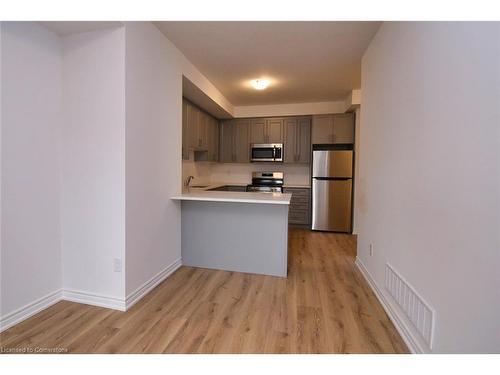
188	180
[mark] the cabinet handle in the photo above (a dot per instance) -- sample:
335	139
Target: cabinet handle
297	150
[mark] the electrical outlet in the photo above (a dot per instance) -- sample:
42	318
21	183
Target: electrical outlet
371	249
117	265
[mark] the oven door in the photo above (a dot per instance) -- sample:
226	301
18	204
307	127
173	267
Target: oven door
264	189
267	152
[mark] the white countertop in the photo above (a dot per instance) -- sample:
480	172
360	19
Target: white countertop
296	186
214	185
199	194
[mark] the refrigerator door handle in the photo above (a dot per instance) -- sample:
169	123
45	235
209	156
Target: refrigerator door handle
332	178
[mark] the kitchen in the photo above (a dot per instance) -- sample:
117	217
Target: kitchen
249	187
303	162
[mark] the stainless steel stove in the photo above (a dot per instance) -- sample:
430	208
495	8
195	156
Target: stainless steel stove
266	182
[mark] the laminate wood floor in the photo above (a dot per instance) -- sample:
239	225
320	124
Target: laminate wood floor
324	306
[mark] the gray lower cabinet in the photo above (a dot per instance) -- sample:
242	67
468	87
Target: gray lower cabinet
299	212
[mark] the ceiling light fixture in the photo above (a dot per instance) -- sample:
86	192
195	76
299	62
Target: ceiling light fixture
259	84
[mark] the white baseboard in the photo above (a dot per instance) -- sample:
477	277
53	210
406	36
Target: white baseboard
145	288
29	310
78	296
393	313
94	299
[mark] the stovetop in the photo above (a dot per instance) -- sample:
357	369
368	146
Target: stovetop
266	181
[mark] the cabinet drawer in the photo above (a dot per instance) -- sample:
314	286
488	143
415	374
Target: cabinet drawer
298	192
299	207
298	217
300	199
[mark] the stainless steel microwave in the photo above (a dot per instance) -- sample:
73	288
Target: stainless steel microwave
272	152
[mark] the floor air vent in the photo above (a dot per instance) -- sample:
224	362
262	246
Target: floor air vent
414	307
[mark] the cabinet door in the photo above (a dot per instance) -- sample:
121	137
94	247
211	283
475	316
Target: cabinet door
304	140
241	145
322	129
299	210
343	128
215	152
290	152
258	130
274	131
192	126
226	142
185	142
213	139
202	130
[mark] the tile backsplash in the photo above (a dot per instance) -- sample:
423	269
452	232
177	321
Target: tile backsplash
207	172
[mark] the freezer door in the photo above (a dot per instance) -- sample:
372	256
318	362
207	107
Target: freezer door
332	163
331	205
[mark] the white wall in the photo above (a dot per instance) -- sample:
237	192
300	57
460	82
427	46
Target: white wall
242	173
153	153
429	172
292	109
357	134
30	109
88	179
201	171
93	162
210	173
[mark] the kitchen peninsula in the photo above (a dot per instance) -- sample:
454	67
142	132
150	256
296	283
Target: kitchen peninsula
235	231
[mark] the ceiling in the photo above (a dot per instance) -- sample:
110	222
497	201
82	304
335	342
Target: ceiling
305	61
64	28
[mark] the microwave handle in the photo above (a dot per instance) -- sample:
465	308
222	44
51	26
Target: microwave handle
274	152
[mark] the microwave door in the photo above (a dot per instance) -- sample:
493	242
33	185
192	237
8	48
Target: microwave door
267	152
262	154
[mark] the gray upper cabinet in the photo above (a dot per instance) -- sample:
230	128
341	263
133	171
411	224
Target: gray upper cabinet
202	131
192	126
213	139
274	130
266	130
258	130
199	132
322	129
297	140
343	128
333	128
226	154
241	144
304	140
234	141
185	137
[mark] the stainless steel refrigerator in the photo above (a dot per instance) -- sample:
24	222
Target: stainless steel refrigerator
332	190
